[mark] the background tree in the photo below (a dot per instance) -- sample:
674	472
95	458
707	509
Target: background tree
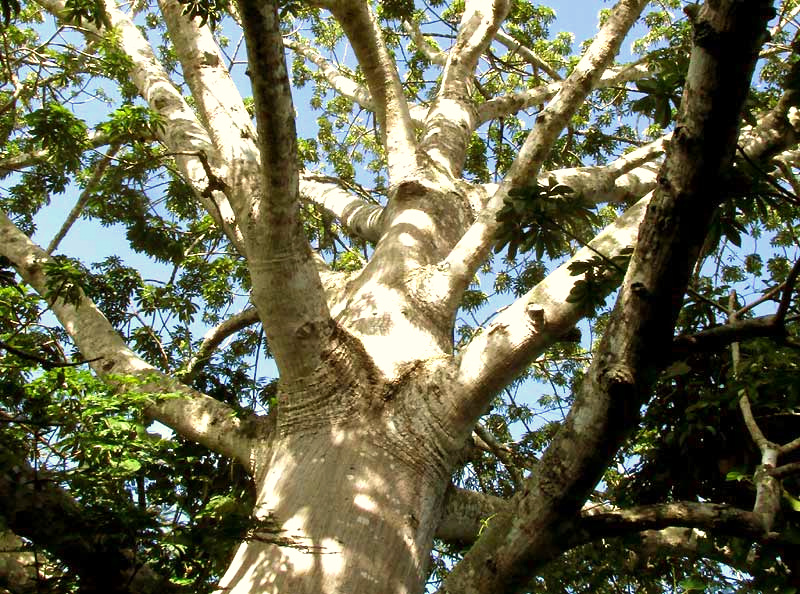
446	234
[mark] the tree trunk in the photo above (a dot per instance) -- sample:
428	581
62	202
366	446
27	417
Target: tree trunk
343	508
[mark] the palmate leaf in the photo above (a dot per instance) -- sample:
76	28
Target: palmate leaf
601	275
542	219
208	11
661	92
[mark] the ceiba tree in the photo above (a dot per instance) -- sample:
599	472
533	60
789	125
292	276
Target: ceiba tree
377	402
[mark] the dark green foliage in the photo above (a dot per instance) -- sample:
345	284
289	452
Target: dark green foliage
661	95
57	130
178	507
66	279
543	219
132	122
397	9
208	11
10	10
86	10
601	275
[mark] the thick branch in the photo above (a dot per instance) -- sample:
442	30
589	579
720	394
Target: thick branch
286	285
630	176
629	356
182	133
535	321
685	542
712	339
18	565
102	554
473	247
433	54
217	100
391	109
355	214
717	518
452	117
193	415
776	131
466	513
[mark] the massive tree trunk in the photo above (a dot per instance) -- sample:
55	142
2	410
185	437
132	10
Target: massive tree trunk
341	510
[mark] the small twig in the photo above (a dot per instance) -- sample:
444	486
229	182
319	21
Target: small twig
765	297
744	401
83	200
786	297
705	299
502	452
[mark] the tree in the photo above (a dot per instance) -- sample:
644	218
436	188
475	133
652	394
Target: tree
386	454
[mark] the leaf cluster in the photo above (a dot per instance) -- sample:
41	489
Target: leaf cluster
542	218
601	276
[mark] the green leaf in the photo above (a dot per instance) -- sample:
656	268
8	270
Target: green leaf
130	465
676	369
693	583
794	503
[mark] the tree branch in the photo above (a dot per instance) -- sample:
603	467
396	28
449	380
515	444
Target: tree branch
391	109
631	175
717	518
286	285
433	54
22	161
83	199
619	380
192	414
512	103
466	513
775	131
527	54
183	134
341	83
213	338
19	569
356	215
218	101
473	247
103	554
788	293
452	116
717	337
534	321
